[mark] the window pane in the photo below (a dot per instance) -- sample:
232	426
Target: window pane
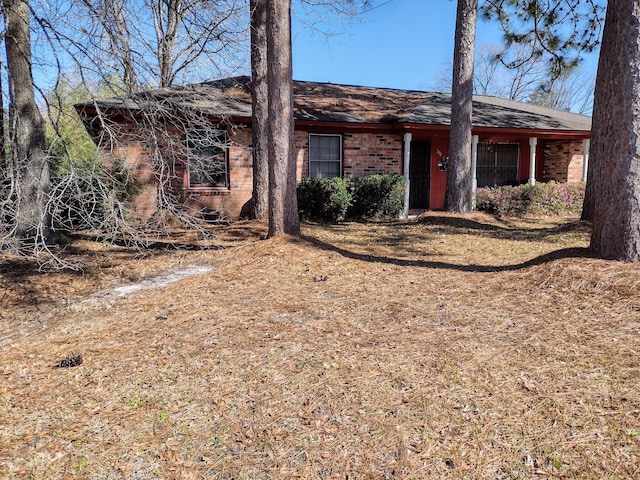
324	156
324	169
207	157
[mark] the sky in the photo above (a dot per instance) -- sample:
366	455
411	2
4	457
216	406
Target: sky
401	44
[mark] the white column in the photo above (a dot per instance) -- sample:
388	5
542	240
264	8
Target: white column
474	168
586	146
533	143
407	158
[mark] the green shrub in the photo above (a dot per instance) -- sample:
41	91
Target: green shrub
541	199
324	199
379	195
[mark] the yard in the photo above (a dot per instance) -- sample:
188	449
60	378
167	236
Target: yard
442	347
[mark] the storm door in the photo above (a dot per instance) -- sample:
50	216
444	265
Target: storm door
419	175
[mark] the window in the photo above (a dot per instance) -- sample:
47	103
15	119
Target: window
207	155
325	156
497	164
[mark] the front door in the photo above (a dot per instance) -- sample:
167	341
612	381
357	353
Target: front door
419	175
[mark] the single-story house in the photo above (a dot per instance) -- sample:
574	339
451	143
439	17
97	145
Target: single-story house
196	141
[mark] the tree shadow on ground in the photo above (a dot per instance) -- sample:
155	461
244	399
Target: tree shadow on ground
573	252
500	229
503	229
400	233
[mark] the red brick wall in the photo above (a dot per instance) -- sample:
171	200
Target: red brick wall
369	154
138	156
563	161
363	154
133	150
301	139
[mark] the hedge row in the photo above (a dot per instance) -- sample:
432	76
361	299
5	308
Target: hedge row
334	199
541	199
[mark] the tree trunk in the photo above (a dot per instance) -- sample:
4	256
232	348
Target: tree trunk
259	102
122	41
588	203
29	159
283	205
615	139
458	191
167	37
3	142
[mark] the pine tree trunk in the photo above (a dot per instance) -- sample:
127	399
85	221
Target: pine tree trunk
587	204
259	102
283	205
458	191
29	159
615	141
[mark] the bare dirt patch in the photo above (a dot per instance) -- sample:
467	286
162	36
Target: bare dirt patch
445	347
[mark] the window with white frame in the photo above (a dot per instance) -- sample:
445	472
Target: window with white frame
325	155
208	158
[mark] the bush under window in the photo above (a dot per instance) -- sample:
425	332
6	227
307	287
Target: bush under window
376	196
335	199
541	199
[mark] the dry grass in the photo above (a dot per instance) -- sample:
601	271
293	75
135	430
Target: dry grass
445	347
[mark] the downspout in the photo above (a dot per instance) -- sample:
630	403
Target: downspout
407	157
533	143
474	168
586	144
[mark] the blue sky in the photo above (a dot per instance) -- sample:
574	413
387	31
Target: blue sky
402	44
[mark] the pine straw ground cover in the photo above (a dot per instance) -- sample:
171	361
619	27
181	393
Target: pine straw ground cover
444	347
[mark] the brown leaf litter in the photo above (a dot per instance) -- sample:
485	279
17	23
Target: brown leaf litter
443	347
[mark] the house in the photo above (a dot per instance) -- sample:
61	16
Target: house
192	144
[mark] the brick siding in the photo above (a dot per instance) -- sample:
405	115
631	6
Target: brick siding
363	154
369	154
563	161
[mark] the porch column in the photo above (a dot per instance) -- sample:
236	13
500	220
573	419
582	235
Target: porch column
474	168
586	145
407	157
533	143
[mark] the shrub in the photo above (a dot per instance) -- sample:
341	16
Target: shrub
333	199
379	195
541	199
324	199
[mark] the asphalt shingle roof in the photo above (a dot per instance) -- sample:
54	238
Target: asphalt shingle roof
328	102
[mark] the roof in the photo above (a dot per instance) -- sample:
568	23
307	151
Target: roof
328	102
